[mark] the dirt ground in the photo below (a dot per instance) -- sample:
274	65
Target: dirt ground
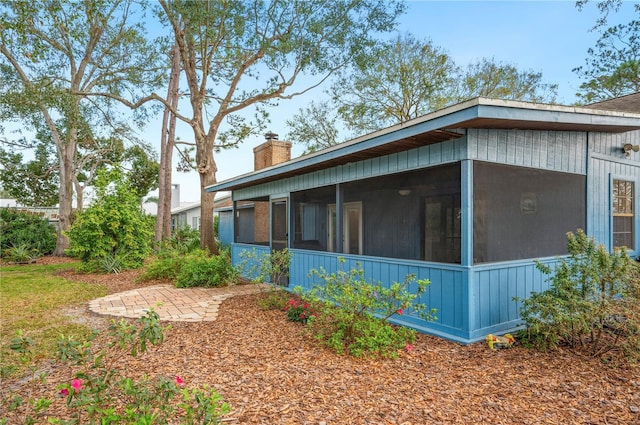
271	373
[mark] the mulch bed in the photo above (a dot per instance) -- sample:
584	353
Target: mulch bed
270	372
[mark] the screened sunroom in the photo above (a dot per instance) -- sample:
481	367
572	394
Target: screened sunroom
468	197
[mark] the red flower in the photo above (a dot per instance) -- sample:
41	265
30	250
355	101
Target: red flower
64	392
400	311
76	384
409	347
179	381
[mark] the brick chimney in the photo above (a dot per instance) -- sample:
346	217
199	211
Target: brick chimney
271	152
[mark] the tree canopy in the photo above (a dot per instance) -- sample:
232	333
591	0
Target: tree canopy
404	78
612	67
394	82
240	55
64	67
315	127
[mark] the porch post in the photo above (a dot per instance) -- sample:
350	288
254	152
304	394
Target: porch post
234	226
466	200
469	303
339	215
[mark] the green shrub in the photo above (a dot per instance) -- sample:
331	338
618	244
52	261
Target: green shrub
97	386
273	299
20	254
298	310
352	313
591	304
200	269
114	229
165	267
262	268
26	232
182	241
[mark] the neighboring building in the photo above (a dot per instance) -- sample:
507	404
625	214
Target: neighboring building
468	197
50	213
628	103
189	213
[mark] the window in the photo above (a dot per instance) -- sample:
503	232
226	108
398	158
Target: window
522	213
623	214
195	223
413	215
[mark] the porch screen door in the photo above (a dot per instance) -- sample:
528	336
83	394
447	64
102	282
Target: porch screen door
279	237
352	228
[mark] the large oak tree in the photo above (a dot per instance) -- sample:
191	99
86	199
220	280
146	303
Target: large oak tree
239	55
55	56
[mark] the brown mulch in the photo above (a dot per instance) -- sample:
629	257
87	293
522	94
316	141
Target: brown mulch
271	373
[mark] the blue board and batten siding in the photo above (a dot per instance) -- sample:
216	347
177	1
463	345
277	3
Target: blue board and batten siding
607	161
471	300
427	156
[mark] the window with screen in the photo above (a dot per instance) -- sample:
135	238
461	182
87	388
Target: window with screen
523	213
414	215
623	214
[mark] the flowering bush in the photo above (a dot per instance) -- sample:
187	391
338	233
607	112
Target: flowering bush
298	311
100	394
353	312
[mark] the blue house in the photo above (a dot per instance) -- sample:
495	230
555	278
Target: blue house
467	196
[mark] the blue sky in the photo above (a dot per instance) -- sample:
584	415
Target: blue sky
551	37
547	36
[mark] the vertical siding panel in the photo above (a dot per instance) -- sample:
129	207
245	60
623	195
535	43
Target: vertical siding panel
403	160
482	142
493	149
503	145
448	297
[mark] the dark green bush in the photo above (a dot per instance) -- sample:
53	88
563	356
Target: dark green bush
183	241
165	267
27	231
592	304
200	269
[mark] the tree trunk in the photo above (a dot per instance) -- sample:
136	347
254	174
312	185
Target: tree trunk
65	197
207	171
163	218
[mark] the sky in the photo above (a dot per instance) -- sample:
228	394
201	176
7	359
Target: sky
551	37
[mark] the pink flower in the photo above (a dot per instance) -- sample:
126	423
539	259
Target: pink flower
400	311
76	384
409	347
64	392
179	381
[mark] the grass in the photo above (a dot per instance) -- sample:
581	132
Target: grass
32	299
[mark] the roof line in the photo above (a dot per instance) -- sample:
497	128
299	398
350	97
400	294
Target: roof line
448	117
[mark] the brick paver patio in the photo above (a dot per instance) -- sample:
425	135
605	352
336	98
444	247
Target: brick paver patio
171	304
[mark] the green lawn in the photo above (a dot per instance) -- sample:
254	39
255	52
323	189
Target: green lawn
31	299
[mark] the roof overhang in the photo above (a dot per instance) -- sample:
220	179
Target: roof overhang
445	124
